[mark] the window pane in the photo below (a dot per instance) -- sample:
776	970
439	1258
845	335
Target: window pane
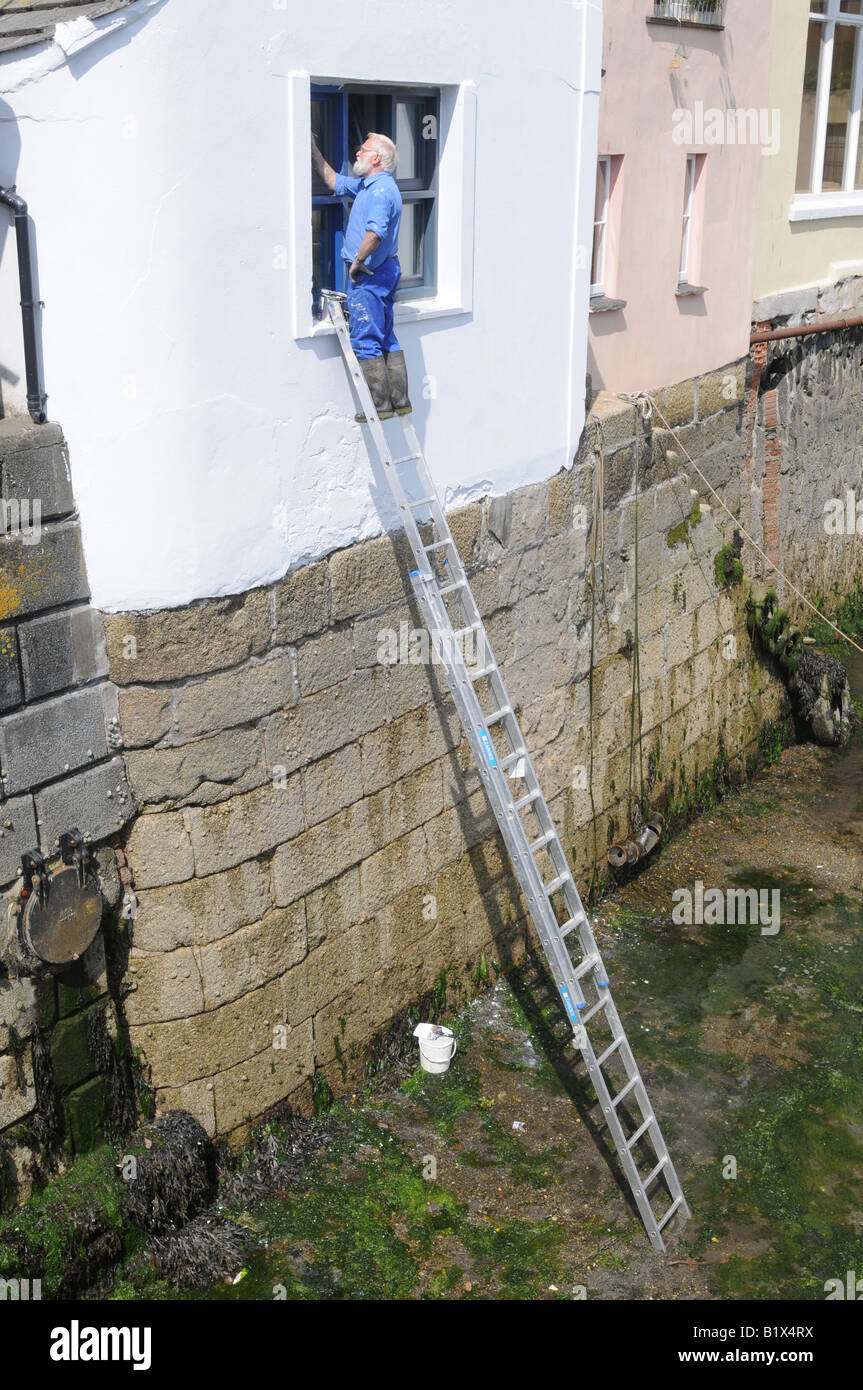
407	138
323	129
851	6
366	113
817	6
601	190
807	111
597	265
410	240
840	106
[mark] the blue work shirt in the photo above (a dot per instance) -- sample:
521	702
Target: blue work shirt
377	208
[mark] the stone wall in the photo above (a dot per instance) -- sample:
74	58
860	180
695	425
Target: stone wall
314	846
58	715
805	421
62	1073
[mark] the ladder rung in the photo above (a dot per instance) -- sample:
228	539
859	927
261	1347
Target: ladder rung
526	800
478	675
408	458
557	883
439	545
571	925
671	1210
463	631
422	501
602	1004
542	841
657	1170
511	759
626	1090
499	714
608	1051
450	588
631	1143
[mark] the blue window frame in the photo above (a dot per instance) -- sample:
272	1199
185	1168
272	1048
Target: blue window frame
342	117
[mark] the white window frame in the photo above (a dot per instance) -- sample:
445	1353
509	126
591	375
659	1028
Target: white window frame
597	289
686	230
455	212
849	200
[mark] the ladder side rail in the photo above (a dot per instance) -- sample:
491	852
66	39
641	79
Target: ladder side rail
514	836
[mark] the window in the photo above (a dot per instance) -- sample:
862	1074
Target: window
686	239
341	119
703	12
830	151
600	226
689	236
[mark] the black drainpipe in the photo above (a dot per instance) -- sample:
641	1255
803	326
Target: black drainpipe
36	397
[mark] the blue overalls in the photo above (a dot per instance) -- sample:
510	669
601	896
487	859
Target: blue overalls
377	208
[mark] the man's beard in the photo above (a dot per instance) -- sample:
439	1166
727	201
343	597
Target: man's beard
361	168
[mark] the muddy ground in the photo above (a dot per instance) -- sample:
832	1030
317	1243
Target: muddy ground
494	1180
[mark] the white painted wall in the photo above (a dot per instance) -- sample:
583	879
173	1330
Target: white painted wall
213	446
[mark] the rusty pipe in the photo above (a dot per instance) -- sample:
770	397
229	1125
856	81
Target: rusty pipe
770	335
632	851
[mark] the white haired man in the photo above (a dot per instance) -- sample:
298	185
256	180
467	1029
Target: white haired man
371	252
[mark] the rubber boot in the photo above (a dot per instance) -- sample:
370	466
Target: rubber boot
398	375
375	372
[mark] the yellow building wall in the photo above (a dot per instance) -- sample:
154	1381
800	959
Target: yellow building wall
791	255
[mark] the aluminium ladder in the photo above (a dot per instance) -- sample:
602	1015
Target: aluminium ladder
439	576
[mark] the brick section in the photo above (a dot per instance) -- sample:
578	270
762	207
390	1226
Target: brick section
258	688
246	1090
36	467
60	650
175	643
160	850
44	575
190	1048
98	801
225	835
17	834
770	497
199	773
11	692
43	741
301	603
202	909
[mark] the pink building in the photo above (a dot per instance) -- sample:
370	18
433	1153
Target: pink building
684	129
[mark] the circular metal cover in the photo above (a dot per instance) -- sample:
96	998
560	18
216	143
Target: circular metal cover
62	929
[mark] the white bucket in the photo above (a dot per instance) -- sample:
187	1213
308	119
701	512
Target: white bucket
437	1046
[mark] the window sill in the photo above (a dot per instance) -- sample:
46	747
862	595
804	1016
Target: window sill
406	311
600	305
685	290
684	23
809	207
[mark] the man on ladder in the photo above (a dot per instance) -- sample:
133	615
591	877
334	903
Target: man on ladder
371	253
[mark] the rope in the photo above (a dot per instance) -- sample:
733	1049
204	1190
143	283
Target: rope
634	400
635	698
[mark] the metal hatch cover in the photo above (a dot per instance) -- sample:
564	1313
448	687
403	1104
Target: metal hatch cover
60	929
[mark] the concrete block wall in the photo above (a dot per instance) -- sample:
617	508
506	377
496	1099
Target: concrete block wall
314	846
59	737
61	1076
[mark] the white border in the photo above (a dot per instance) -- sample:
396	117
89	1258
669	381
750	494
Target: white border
455	209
